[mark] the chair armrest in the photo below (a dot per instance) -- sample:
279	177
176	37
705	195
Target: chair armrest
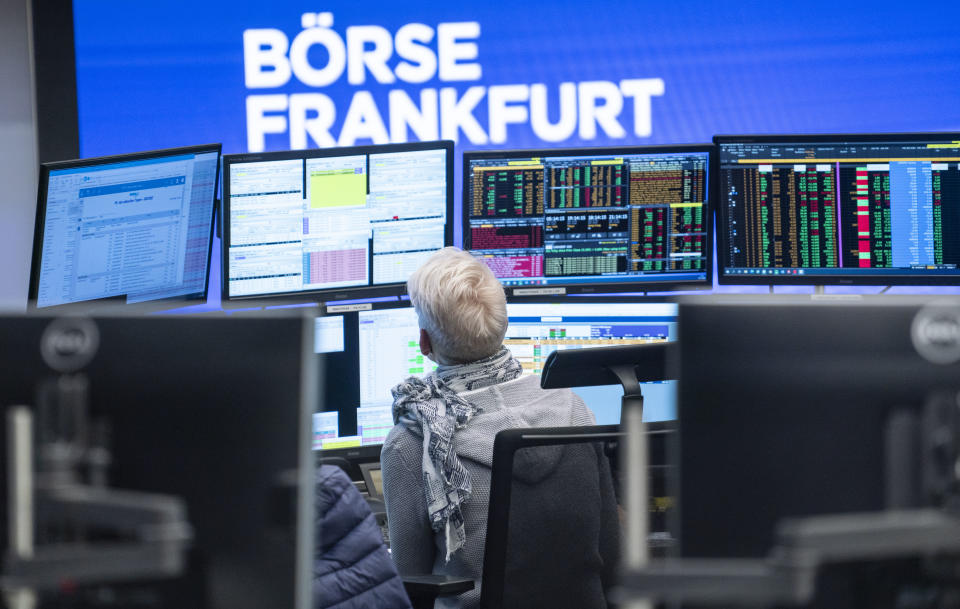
424	589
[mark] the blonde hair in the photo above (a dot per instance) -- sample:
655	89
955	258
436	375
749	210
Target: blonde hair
461	305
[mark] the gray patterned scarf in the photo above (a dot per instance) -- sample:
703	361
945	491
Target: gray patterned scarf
431	408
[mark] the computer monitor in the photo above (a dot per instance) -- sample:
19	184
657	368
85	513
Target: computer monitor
590	220
785	406
373	479
368	352
371	351
839	209
537	330
133	228
212	410
334	224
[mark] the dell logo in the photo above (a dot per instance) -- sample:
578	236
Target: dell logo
69	343
936	333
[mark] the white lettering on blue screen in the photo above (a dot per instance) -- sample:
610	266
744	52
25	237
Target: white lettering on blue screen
448	53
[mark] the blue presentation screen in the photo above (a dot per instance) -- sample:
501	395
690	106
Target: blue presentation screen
590	219
265	76
881	209
136	227
274	76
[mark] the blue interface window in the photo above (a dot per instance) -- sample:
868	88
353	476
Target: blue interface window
138	229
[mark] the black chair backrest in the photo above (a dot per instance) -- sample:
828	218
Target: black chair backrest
351	469
586	455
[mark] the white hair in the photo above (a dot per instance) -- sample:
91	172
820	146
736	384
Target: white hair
461	305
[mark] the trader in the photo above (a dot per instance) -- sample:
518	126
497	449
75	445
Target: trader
437	458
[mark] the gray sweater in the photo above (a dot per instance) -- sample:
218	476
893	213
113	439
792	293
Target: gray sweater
517	403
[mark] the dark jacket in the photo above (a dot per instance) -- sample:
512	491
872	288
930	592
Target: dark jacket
352	568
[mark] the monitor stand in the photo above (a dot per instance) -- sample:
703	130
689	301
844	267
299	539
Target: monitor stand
630	365
638	494
920	520
48	491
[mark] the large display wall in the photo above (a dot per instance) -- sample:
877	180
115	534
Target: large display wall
273	76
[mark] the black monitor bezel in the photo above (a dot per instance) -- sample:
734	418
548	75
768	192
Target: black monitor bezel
40	225
330	294
647	286
807	280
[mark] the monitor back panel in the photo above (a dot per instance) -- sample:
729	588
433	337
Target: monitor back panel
206	409
782	411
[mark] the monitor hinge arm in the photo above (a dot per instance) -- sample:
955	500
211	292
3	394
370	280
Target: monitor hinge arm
149	532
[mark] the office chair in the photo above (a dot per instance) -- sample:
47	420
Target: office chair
351	469
545	521
629	365
551	543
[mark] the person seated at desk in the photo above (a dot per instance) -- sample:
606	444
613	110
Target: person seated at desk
436	461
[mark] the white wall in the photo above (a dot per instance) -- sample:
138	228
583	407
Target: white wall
18	154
